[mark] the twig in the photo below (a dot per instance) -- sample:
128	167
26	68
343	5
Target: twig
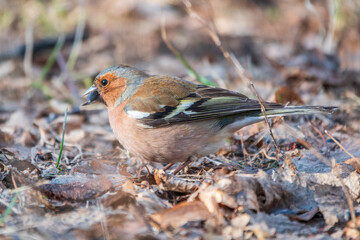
213	33
339	144
321	135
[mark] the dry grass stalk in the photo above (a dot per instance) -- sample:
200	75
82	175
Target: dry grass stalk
229	56
339	144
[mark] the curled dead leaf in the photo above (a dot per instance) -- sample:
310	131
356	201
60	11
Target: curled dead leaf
73	122
355	163
253	192
180	214
6	139
169	182
351	231
118	198
29	139
76	188
304	216
96	166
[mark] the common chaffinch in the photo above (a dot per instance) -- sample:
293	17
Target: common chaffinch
167	119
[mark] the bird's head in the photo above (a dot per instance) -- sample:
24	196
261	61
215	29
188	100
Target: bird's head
114	85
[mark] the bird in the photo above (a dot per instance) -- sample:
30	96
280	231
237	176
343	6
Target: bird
166	119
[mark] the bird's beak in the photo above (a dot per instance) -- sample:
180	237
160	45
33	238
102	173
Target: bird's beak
92	96
91	89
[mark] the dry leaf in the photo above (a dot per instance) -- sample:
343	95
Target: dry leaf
351	231
76	188
286	95
169	182
355	163
119	198
180	214
6	139
262	231
304	216
255	192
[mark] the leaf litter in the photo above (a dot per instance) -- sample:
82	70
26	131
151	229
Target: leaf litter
245	191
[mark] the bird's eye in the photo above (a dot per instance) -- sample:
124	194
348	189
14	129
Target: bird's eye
104	82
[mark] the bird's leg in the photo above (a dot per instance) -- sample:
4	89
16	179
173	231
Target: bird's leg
168	166
148	174
139	172
140	169
182	166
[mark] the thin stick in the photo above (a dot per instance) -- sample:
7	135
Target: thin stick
213	33
339	144
322	137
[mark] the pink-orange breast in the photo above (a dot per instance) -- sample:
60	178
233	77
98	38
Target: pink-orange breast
174	143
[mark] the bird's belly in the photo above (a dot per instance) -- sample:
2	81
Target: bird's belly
161	145
175	143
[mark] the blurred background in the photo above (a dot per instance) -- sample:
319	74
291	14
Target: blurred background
297	52
51	50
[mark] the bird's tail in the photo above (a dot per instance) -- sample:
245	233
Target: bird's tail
255	116
297	110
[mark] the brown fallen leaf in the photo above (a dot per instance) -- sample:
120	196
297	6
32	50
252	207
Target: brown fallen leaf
23	171
286	94
72	122
351	231
118	198
29	139
96	166
115	226
255	192
354	162
304	216
180	214
169	182
289	155
4	171
76	188
6	139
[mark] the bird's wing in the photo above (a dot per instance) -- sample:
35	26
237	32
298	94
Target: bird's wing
163	101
